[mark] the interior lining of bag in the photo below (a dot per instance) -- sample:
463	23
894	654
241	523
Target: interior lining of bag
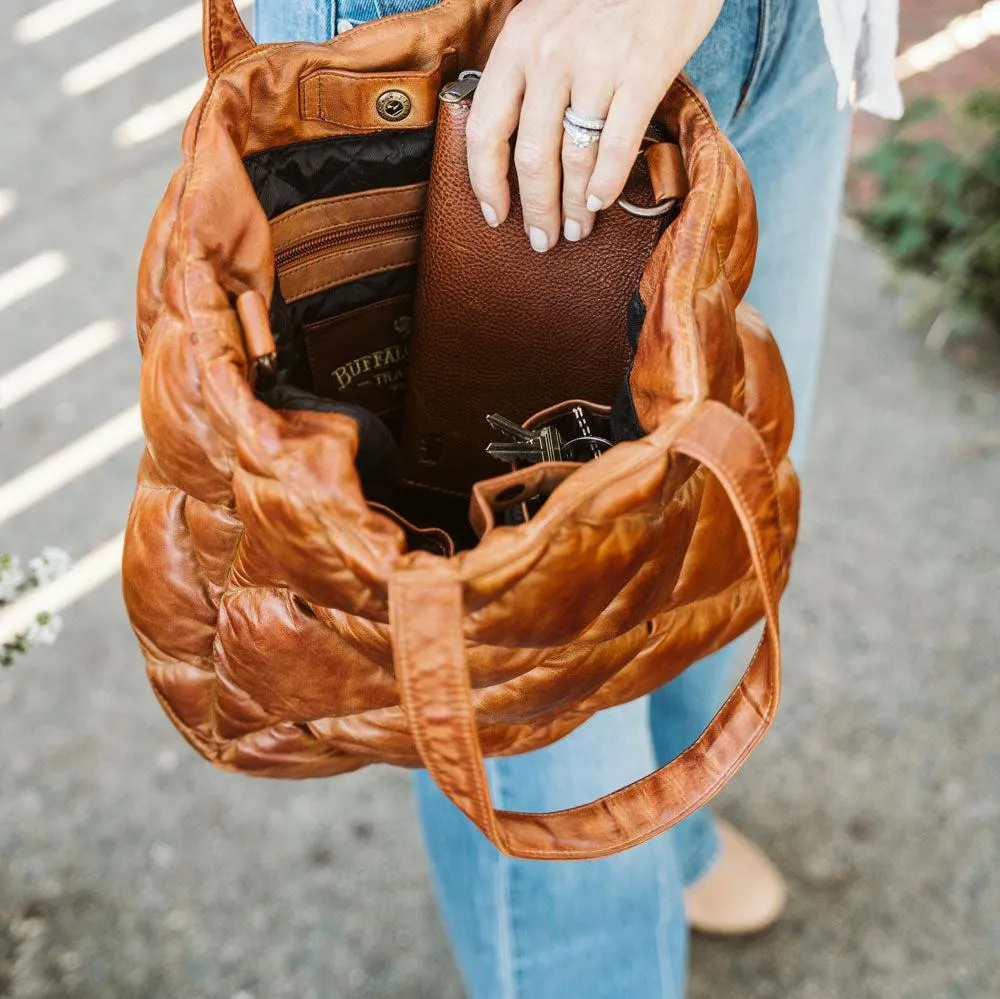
290	177
365	317
315	187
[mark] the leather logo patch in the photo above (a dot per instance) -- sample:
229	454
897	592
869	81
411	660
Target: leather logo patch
382	368
360	357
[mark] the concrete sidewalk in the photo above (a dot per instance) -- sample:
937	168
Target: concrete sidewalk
129	868
879	790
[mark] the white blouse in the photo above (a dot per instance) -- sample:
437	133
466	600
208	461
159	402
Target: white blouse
861	37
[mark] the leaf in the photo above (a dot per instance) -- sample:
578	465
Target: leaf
983	106
920	109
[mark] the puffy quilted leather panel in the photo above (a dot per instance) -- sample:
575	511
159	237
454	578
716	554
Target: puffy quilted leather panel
257	577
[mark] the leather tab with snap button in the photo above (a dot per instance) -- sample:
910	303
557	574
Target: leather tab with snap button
403	99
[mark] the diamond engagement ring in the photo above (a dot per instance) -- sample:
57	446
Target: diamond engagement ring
588	122
580	137
583	130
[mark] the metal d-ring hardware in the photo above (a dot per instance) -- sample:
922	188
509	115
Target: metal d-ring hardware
652	212
589	439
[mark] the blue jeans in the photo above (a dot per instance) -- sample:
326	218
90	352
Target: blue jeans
615	928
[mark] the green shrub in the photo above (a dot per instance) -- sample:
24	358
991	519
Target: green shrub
936	208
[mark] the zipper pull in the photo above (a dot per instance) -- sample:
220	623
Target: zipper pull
464	87
262	353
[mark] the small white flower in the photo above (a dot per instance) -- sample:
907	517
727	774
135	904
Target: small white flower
12	578
44	630
51	563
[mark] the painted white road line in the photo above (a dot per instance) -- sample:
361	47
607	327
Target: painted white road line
70	353
8	201
72	461
85	576
135	50
55	17
155	119
31	276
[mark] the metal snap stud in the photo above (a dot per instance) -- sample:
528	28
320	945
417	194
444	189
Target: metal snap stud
393	105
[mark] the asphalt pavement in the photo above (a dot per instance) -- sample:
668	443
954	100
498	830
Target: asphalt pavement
130	869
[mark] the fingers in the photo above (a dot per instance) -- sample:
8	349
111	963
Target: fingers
536	159
578	165
628	118
492	121
526	87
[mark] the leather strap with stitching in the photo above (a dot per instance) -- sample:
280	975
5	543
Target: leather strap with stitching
426	614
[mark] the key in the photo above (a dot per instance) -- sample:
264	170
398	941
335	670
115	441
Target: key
528	446
510	428
516	452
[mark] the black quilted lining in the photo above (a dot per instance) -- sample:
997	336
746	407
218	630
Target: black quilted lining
289	176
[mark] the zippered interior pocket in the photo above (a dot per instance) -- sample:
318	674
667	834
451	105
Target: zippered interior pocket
345	270
348	235
335	241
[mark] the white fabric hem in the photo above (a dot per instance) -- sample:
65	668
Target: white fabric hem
861	38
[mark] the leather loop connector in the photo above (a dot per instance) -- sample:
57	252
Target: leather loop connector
492	496
666	171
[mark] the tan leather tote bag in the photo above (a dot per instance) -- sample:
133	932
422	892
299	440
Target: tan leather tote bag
323	566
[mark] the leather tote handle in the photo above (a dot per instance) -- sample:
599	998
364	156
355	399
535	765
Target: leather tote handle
426	611
224	34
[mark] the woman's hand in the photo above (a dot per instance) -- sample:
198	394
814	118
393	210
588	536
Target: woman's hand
612	59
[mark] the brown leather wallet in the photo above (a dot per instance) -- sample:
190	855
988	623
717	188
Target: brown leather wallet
487	305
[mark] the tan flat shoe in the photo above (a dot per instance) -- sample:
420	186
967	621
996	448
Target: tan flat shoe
741	893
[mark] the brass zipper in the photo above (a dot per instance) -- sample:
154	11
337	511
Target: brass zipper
349	234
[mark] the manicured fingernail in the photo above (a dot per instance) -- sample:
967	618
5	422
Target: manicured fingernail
539	241
489	214
594	203
572	230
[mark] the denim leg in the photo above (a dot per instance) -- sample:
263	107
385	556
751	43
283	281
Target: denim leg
614	928
794	142
723	69
524	929
320	20
298	21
